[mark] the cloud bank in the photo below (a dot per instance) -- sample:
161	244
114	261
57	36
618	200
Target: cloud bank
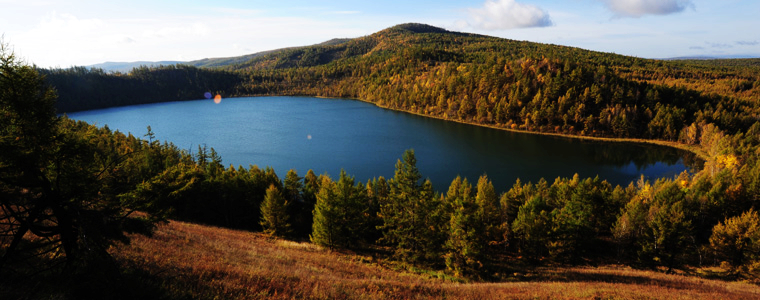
638	8
507	14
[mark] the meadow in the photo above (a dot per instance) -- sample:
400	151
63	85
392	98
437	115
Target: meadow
184	260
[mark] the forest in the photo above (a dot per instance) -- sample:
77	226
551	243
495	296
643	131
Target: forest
77	189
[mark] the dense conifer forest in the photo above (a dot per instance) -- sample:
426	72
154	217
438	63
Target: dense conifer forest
72	185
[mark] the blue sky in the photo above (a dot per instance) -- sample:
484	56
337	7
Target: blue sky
84	32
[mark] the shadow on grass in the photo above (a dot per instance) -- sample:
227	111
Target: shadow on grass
98	282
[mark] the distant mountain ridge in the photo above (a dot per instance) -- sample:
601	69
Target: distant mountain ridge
125	67
714	57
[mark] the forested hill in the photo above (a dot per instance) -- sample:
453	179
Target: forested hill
519	85
466	77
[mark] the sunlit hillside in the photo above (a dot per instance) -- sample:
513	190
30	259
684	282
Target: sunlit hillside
193	261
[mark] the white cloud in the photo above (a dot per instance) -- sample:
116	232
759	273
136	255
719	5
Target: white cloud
638	8
508	14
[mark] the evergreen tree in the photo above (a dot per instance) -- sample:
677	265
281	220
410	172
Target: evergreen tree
325	225
353	206
310	187
464	245
377	195
669	228
572	228
298	209
339	216
533	227
489	212
573	218
274	213
410	221
631	225
309	190
292	186
657	222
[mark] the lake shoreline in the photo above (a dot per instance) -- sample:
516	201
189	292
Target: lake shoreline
690	148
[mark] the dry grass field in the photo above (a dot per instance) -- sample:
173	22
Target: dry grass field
188	261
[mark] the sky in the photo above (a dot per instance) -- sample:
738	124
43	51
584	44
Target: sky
85	32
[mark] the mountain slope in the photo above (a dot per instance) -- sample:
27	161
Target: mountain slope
513	84
437	44
236	60
401	38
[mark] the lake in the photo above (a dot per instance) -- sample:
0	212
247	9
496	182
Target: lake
326	135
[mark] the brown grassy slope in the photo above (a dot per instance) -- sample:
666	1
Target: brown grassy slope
200	262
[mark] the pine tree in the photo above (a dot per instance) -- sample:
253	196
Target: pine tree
351	203
339	219
324	227
465	241
310	187
411	222
489	212
377	195
298	209
274	216
669	224
292	186
533	227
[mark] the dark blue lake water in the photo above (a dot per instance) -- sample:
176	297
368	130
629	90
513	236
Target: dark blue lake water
326	135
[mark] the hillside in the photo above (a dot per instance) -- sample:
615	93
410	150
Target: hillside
243	265
512	84
187	261
223	62
439	45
